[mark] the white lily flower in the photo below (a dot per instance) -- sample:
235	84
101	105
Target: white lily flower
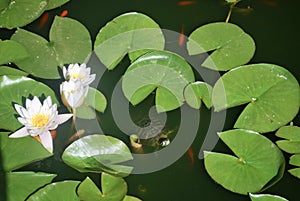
79	73
38	119
73	93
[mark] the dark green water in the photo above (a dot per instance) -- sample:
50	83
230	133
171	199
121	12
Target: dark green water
274	26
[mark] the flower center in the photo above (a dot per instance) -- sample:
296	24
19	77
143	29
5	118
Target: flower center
77	75
39	120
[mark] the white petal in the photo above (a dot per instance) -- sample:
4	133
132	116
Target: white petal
48	102
23	121
46	140
21	111
28	103
61	118
20	133
65	72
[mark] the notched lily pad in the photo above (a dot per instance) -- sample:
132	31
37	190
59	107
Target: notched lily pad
256	163
271	93
132	33
11	51
266	197
164	72
292	135
197	92
98	153
231	46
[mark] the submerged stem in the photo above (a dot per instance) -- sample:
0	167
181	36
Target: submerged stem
230	10
74	114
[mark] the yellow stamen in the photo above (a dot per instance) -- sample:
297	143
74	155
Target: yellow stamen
77	75
39	120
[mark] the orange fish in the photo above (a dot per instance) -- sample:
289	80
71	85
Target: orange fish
64	13
43	20
181	37
190	153
53	134
185	3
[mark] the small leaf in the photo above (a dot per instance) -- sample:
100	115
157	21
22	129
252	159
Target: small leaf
271	92
5	70
292	136
266	197
295	172
258	161
98	153
11	51
114	187
22	150
131	198
295	160
132	33
231	46
21	184
165	72
55	3
88	191
19	13
13	90
65	190
85	112
196	92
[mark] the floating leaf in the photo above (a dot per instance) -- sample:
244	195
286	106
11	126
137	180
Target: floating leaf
258	161
88	191
98	153
19	13
65	191
196	92
5	70
13	89
17	149
292	136
165	72
266	197
21	184
131	198
69	43
231	46
272	94
11	51
132	33
55	3
295	160
94	100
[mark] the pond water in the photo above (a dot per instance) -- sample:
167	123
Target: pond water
274	27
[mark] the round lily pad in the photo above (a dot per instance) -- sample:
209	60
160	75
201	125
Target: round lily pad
132	33
230	45
257	161
164	72
197	92
271	93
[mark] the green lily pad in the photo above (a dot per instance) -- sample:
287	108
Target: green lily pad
271	92
231	46
65	190
131	198
113	188
19	13
69	43
132	33
266	197
295	160
21	184
164	72
5	70
13	90
197	92
98	153
292	136
258	161
295	172
94	100
11	51
17	149
55	3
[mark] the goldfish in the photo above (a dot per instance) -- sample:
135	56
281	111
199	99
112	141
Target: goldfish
44	19
181	37
190	153
64	13
185	3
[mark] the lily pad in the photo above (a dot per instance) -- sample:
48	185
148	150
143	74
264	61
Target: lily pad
132	33
98	153
164	72
231	46
6	70
131	198
55	3
13	90
95	100
113	188
65	190
70	42
271	92
295	160
17	149
11	51
292	135
257	161
266	197
21	184
19	13
197	92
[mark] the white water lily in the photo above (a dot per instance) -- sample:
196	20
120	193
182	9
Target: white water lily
73	93
79	73
38	120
